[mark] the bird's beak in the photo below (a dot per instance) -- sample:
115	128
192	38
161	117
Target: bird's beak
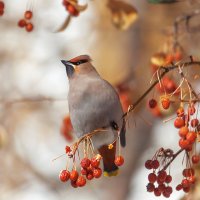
66	63
69	64
69	68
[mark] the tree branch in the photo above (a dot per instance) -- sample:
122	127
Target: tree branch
166	69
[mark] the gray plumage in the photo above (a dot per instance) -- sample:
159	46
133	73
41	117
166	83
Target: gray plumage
94	103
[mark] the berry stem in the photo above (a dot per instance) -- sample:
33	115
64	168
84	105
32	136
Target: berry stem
166	69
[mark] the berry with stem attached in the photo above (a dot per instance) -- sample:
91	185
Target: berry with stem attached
73	175
64	175
119	160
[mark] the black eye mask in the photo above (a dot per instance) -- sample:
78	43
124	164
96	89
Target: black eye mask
79	62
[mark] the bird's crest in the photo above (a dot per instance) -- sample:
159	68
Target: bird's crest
80	58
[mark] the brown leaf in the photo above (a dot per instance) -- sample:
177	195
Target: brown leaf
123	14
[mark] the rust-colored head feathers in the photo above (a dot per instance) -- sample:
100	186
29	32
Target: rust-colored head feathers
78	65
80	59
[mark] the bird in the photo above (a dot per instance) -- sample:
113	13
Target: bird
93	104
163	1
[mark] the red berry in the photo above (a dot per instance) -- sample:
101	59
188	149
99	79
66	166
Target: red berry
166	194
184	144
66	128
85	163
73	184
195	159
64	175
150	187
188	172
90	169
194	122
72	10
179	122
186	189
67	149
189	148
28	14
180	112
22	23
29	27
192	179
168	189
152	178
152	103
183	131
1	12
2	5
185	172
161	187
83	171
90	176
169	85
168	179
119	160
95	162
162	176
81	181
157	192
191	137
160	181
179	187
191	172
155	164
165	103
65	3
73	175
185	183
97	172
148	164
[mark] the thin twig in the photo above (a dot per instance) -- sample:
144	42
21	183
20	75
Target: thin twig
173	157
166	69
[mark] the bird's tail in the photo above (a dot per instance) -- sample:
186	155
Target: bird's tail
110	169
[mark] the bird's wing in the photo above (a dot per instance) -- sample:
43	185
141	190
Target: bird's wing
93	104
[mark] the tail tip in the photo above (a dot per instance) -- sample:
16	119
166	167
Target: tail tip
112	173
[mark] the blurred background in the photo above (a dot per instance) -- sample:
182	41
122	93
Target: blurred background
34	88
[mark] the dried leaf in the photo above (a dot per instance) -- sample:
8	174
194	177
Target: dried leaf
158	59
64	25
123	14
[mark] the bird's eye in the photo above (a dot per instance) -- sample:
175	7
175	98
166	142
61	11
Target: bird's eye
78	63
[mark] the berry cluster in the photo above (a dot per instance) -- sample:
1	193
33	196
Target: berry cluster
66	128
2	6
71	8
158	179
188	127
167	85
165	58
188	180
189	130
26	21
90	168
165	102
